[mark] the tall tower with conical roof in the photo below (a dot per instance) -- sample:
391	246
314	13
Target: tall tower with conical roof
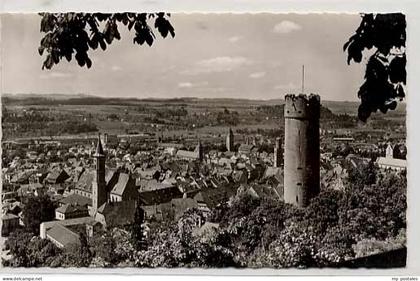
230	142
200	150
99	192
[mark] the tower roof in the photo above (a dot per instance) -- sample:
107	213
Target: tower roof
99	149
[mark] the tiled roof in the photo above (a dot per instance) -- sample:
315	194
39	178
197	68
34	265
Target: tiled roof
62	235
245	148
55	173
118	213
214	196
123	181
85	180
159	196
70	208
76	199
392	162
187	154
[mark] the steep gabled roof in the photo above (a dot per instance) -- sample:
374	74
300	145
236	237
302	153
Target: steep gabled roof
85	180
123	183
118	213
76	199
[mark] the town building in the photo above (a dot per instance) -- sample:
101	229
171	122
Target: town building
278	154
109	208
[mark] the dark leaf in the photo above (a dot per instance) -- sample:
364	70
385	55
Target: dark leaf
354	52
55	57
102	43
376	71
397	69
66	33
41	50
400	91
149	38
130	25
93	43
116	32
49	62
81	58
68	56
349	42
88	62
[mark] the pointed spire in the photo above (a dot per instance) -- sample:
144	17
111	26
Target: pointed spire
99	150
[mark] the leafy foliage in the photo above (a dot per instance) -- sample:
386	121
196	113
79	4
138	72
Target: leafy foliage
137	229
76	255
30	251
37	210
176	244
385	75
366	217
71	35
103	246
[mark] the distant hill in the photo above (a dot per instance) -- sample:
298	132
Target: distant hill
46	96
336	107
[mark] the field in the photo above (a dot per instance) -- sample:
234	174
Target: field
36	115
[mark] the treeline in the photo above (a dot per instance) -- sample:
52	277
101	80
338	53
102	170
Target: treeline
90	100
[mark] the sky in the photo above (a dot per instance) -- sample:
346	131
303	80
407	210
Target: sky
252	56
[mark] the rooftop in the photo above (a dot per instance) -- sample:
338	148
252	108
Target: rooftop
62	235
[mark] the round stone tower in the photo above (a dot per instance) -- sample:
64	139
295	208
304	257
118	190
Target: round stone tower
301	149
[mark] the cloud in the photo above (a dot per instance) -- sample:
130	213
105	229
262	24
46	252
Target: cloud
185	85
116	68
286	26
191	85
218	64
55	74
257	75
234	39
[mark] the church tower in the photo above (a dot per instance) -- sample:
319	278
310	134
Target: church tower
278	154
99	192
200	150
230	140
301	149
389	153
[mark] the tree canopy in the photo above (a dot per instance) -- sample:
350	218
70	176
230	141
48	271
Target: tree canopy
37	210
68	34
385	75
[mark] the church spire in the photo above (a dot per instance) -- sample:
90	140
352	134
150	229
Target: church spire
99	149
99	192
